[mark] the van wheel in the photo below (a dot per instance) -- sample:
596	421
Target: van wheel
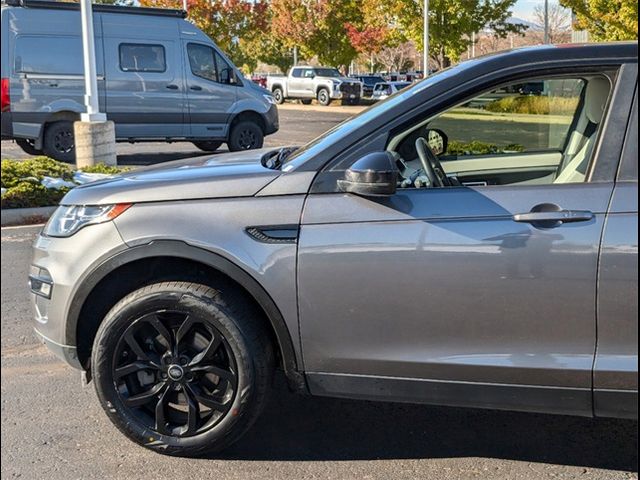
26	144
245	136
278	95
208	146
181	368
58	142
323	97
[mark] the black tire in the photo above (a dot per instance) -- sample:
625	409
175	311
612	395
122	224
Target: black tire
27	146
278	95
323	97
208	145
58	142
245	136
306	101
243	351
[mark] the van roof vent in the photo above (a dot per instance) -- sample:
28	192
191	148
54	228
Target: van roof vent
97	7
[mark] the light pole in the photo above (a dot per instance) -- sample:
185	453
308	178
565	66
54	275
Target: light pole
94	137
546	21
425	39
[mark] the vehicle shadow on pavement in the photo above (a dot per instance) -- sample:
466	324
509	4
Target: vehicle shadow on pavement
298	428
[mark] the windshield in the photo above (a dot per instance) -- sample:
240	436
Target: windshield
346	128
327	72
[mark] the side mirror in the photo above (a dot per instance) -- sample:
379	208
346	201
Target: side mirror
374	175
437	141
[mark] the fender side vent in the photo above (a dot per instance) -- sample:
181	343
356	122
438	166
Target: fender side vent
274	233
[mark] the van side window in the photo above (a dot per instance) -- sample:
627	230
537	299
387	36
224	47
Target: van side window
138	57
51	55
202	61
224	70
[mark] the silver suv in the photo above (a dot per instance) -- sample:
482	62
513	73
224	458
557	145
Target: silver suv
461	243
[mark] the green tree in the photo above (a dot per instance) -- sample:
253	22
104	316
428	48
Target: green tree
606	19
451	23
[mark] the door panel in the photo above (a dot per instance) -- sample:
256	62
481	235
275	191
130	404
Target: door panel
615	377
143	100
209	102
443	284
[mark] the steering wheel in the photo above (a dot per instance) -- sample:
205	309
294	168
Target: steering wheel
431	165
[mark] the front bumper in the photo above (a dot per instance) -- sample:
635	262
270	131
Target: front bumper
66	262
271	120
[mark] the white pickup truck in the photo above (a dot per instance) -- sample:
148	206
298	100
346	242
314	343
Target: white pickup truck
322	83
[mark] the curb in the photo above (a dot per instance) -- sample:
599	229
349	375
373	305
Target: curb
25	216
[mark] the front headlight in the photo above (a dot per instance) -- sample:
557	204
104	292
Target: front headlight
67	220
270	99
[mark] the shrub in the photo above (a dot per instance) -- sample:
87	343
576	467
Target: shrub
475	147
21	179
534	105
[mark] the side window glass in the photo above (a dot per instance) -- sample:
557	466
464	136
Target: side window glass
308	73
202	61
52	55
224	70
524	117
296	73
539	131
137	57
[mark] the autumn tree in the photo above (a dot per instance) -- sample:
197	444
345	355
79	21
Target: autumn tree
451	22
606	19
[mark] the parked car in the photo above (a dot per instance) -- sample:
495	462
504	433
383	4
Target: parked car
386	89
368	82
159	79
322	83
389	259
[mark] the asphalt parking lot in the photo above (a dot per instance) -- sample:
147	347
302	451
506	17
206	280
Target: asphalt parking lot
53	428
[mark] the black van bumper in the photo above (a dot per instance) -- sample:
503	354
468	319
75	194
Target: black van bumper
271	120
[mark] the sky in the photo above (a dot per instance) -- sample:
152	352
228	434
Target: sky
524	8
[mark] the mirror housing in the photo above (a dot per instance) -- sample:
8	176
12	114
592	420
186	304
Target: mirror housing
374	175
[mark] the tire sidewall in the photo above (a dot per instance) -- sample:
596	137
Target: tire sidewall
278	95
323	97
106	342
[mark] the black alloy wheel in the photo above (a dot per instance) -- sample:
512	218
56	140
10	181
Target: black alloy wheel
175	373
182	368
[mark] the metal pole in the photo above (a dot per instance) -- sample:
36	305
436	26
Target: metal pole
425	39
184	5
295	56
473	44
546	21
89	56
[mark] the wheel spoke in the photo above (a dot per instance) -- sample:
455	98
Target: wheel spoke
133	368
217	371
146	396
206	400
183	330
137	348
161	423
162	330
193	413
208	352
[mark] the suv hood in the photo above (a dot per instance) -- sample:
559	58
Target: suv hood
239	174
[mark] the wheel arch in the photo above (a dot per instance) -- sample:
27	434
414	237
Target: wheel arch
157	261
248	115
